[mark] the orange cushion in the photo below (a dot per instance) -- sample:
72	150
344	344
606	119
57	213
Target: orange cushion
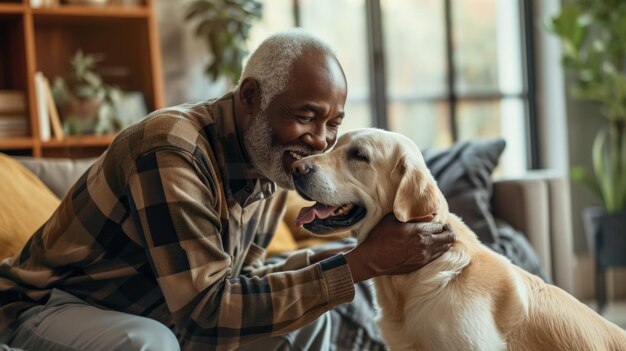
26	204
282	241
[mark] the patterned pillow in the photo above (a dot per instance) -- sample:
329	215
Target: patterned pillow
463	173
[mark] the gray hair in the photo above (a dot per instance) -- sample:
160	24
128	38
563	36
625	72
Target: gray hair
270	64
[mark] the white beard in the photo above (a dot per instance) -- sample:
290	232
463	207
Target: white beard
266	157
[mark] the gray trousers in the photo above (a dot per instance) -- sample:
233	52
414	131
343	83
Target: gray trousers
68	323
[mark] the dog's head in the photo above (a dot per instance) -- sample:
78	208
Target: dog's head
369	173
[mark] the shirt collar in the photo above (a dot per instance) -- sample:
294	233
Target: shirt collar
241	180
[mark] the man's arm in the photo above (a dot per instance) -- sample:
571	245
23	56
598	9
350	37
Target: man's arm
392	247
177	217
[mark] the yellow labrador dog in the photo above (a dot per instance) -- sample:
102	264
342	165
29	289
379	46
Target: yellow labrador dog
470	298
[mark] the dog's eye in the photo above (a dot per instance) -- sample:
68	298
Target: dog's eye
358	155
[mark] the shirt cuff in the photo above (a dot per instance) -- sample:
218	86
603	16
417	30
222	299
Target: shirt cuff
298	260
338	278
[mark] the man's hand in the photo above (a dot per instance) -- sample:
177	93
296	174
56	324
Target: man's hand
393	247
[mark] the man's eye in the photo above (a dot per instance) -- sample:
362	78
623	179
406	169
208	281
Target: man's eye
303	119
334	126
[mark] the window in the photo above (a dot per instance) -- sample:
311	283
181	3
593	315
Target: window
438	71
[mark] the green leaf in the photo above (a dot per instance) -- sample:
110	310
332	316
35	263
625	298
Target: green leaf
224	25
601	169
622	178
580	175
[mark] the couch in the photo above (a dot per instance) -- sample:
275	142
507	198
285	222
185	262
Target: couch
537	205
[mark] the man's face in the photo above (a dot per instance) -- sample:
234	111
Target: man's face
301	121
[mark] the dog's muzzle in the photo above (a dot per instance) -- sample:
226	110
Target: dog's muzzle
301	173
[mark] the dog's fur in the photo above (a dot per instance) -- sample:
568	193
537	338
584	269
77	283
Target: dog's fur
470	298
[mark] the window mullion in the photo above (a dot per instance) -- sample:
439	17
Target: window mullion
452	95
377	63
526	10
297	21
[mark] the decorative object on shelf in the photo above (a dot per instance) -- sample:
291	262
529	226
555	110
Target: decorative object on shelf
43	3
55	120
88	105
593	33
130	109
125	3
47	114
42	107
87	2
225	26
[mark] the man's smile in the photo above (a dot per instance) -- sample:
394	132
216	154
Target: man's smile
289	157
295	155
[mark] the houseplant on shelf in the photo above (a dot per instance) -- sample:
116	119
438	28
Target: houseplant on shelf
88	105
225	26
593	34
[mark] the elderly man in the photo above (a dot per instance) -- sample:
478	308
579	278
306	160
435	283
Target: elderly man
160	244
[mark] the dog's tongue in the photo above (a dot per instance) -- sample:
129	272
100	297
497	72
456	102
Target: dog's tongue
308	214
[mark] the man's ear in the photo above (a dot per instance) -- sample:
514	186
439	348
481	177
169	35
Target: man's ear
249	95
417	198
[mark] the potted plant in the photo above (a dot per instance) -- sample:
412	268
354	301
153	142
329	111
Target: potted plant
593	34
225	26
87	103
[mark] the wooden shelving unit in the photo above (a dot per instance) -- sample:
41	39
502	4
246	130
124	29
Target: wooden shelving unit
11	8
45	39
17	143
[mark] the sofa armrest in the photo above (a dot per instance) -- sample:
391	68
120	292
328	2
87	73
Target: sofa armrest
539	206
58	174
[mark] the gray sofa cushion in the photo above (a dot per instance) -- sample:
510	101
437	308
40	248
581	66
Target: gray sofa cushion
58	174
463	173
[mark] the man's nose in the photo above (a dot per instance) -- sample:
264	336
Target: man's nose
301	168
317	140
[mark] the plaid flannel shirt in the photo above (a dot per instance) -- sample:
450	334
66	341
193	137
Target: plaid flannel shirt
171	223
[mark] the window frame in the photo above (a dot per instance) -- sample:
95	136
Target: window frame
377	74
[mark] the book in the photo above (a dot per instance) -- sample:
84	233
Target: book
13	134
55	121
12	101
42	106
13	123
13	126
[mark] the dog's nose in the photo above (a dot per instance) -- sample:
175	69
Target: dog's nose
300	168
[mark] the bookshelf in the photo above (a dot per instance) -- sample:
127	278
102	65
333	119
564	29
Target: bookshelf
44	39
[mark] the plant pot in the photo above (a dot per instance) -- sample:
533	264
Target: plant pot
606	235
82	114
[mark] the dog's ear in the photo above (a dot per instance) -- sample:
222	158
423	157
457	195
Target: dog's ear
417	198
